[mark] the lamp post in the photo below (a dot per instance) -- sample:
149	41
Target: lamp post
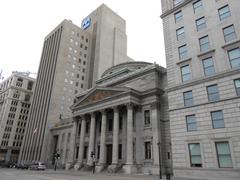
160	160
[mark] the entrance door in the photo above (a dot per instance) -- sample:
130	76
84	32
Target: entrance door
109	153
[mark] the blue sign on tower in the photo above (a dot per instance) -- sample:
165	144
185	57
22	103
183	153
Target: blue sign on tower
86	23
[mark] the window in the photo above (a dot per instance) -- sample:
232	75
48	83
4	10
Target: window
147	117
191	123
147	150
213	94
229	33
110	124
85	152
120	123
87	128
217	119
119	151
177	2
188	98
234	57
180	34
223	155
224	12
208	66
197	6
201	23
30	85
204	43
237	86
183	54
178	16
195	155
186	75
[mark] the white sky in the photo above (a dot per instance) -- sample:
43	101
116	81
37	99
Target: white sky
25	23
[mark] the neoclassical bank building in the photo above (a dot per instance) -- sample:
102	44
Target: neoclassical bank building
121	124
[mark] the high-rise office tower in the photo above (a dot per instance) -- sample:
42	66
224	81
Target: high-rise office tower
203	67
72	60
15	101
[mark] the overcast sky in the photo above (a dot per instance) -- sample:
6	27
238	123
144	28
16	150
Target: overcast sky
25	23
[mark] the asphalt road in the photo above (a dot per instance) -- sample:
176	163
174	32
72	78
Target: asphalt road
17	174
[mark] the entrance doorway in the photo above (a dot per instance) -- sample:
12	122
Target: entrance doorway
109	154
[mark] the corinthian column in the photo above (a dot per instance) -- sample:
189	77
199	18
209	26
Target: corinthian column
91	138
102	158
129	134
115	136
81	142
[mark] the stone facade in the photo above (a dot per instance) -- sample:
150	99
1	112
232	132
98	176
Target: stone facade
71	61
15	101
123	121
203	86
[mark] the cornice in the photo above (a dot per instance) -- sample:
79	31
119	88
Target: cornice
175	8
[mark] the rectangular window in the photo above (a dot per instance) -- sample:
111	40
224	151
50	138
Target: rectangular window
177	2
204	43
195	155
186	75
183	54
237	86
208	66
217	119
85	152
224	12
148	154
120	122
191	123
213	94
201	23
147	118
110	124
234	57
229	33
178	16
87	127
188	98
180	34
197	6
119	151
223	155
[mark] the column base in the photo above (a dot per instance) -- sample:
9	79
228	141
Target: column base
113	168
129	169
69	165
100	167
77	166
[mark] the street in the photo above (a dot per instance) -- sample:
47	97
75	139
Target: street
17	174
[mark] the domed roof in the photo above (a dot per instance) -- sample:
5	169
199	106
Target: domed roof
125	67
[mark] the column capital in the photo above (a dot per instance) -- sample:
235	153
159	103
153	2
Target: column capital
103	111
155	105
115	109
130	105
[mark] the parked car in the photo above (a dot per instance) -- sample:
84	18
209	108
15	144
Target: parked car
21	166
38	166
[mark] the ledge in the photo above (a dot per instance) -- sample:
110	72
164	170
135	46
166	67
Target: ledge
204	79
183	61
175	8
229	45
206	53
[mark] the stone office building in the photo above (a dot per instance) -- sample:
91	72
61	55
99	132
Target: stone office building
123	121
15	101
203	60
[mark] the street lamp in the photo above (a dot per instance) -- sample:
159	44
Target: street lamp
160	160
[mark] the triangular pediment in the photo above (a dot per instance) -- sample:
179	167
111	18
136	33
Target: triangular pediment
98	94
